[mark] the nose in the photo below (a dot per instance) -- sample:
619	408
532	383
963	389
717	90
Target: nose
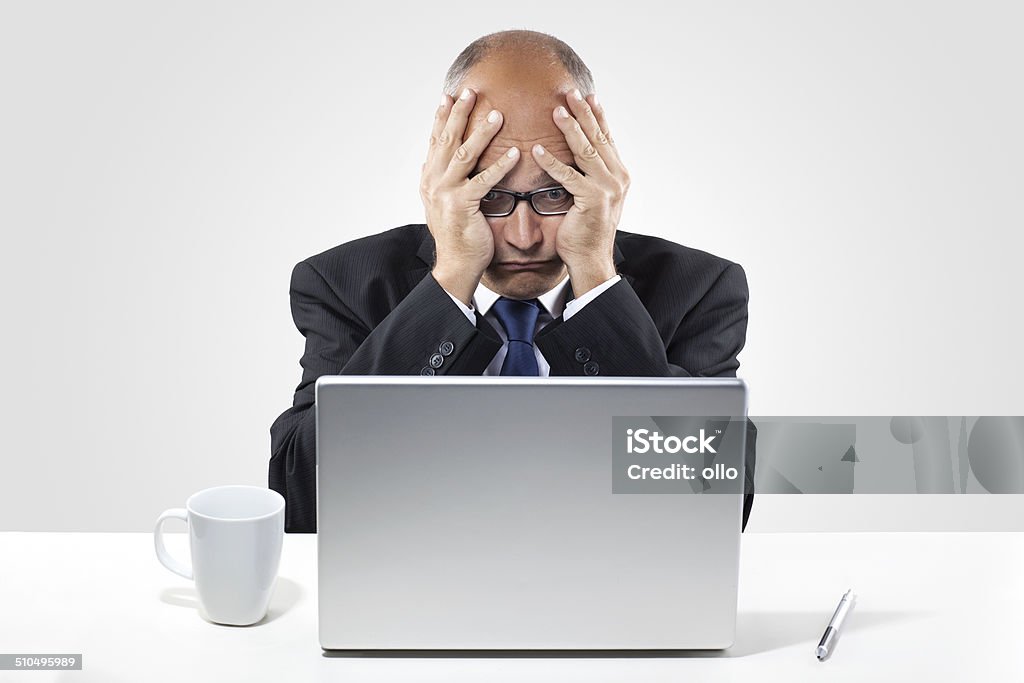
522	229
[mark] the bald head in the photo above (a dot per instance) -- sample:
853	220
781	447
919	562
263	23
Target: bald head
524	75
545	47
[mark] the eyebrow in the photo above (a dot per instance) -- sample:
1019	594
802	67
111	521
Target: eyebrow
540	180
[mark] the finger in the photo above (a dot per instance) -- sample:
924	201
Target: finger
583	150
598	109
468	153
599	113
566	176
454	128
585	112
440	118
482	183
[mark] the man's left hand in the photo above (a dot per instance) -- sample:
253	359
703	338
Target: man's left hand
586	237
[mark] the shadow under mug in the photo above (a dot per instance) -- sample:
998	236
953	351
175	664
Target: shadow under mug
235	538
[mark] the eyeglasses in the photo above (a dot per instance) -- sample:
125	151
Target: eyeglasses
547	201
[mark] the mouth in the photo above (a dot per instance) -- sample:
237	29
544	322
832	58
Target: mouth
523	265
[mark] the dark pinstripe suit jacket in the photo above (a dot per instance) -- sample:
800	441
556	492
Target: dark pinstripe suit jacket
371	307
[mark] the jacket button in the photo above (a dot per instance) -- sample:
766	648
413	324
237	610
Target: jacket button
582	354
427	371
591	368
436	361
446	348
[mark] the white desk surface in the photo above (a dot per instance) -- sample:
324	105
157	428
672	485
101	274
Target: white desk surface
931	607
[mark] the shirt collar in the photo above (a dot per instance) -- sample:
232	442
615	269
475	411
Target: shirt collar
552	300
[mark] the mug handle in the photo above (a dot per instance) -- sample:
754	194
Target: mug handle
158	539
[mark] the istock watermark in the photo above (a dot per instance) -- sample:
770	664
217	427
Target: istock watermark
677	454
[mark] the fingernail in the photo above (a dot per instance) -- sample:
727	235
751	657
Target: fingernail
444	99
562	112
513	153
593	98
577	94
493	116
538	150
465	94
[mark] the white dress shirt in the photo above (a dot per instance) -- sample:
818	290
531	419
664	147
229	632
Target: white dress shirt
552	305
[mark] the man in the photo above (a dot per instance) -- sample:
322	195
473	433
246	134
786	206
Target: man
520	268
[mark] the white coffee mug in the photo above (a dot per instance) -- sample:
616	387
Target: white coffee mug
235	537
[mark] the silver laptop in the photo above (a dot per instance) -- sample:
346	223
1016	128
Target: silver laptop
494	513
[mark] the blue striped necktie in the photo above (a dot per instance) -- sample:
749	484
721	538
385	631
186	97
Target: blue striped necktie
519	318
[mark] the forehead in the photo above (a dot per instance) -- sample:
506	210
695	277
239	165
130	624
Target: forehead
525	88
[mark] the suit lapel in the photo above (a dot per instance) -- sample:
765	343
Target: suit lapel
425	253
426	250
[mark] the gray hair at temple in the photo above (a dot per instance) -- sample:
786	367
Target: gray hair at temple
518	41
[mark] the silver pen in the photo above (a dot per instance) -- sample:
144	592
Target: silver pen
828	640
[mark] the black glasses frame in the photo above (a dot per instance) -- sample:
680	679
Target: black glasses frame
527	196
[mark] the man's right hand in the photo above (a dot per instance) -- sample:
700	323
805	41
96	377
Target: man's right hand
463	238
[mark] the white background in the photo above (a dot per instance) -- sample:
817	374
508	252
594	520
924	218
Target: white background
164	165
